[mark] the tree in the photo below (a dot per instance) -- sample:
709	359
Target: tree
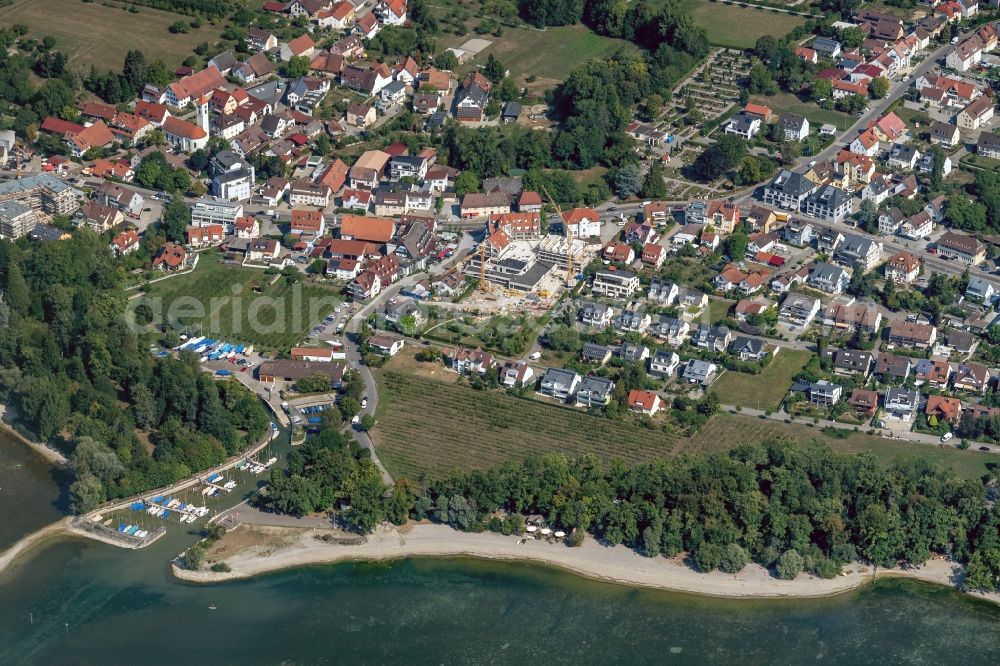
879	87
821	89
734	558
654	186
494	69
16	293
720	158
176	219
868	216
789	564
936	180
466	182
367	422
707	556
446	61
628	181
296	67
86	493
736	244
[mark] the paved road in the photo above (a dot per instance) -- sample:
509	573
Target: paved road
902	435
354	354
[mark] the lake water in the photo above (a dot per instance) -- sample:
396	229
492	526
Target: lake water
80	602
29	494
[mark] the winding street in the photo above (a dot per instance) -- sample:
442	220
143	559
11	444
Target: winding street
354	353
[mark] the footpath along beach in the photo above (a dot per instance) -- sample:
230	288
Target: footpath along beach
268	549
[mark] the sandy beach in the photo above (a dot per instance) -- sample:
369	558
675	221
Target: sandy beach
283	548
53	456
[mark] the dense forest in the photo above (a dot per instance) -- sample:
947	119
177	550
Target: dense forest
76	374
790	508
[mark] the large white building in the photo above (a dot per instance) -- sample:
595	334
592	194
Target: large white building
205	212
232	178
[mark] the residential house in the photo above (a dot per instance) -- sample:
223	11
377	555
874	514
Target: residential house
173	257
864	402
634	320
859	252
862	317
559	384
976	114
715	338
794	128
360	115
903	156
828	278
798	310
701	372
386	345
971	377
664	363
743	125
902	268
936	373
797	232
901	403
829	240
824	393
673	329
944	134
582	223
592	313
852	362
988	145
643	402
912	334
748	349
472	97
467	361
917	226
893	369
654	255
619	285
866	143
980	289
515	373
662	292
943	408
301	46
594	391
595	353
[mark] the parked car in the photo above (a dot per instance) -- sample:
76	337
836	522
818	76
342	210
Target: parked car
535	356
946	437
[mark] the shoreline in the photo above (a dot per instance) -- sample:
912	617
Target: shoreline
51	455
54	530
617	565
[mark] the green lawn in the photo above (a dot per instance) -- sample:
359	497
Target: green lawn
979	162
739	27
95	34
726	431
550	54
219	300
788	103
766	389
718	308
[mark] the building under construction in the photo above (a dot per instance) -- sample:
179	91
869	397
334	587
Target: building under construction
522	265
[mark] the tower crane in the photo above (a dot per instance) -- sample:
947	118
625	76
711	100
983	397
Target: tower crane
569	238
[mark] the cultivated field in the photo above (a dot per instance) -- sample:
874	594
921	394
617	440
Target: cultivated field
766	389
427	428
92	34
225	304
727	431
740	27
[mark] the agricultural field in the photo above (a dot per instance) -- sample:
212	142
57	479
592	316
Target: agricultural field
93	34
789	103
428	427
224	303
740	27
727	431
769	387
